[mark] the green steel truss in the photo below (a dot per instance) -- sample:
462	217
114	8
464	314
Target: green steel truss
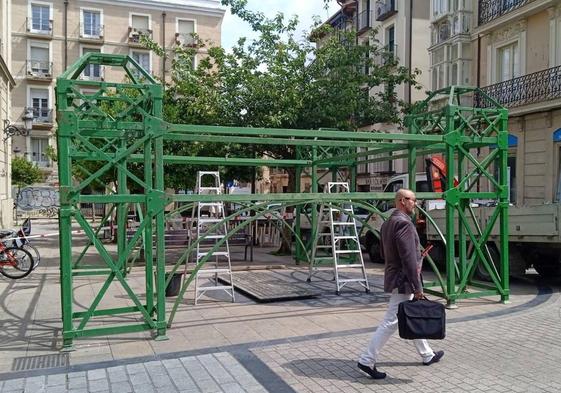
119	126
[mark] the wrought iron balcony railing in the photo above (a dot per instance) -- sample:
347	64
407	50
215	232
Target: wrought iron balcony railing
528	89
39	26
135	34
364	20
385	9
186	39
492	9
39	69
41	115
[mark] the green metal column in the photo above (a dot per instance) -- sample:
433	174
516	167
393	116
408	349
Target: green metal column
66	127
298	211
158	207
451	197
503	205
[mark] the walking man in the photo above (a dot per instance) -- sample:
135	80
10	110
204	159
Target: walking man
402	278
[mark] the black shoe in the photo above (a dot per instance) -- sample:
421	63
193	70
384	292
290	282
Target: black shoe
372	372
435	359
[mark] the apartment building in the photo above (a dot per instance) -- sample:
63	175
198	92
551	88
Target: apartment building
7	83
511	49
402	30
48	36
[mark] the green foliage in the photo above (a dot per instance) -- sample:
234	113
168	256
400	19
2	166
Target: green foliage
25	172
279	81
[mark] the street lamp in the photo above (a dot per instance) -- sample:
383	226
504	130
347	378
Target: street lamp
11	129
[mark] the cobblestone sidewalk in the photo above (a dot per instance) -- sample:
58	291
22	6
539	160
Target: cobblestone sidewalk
517	351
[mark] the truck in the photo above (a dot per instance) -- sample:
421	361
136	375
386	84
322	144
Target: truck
534	237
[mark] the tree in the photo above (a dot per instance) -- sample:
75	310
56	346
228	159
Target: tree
24	172
279	81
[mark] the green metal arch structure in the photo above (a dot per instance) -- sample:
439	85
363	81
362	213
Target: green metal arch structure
108	129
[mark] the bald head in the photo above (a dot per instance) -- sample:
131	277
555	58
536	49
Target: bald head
405	200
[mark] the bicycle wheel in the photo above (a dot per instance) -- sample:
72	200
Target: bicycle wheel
15	262
34	253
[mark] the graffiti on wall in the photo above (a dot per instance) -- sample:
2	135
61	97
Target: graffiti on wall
38	201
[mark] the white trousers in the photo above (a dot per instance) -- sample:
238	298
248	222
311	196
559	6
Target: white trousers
385	330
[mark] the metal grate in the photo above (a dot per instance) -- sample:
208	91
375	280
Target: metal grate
40	362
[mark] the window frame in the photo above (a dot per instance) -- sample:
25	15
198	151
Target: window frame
131	14
83	76
83	23
39	44
48	119
148	52
180	19
45	142
30	15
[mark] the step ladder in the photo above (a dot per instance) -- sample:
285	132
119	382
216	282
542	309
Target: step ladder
337	242
206	216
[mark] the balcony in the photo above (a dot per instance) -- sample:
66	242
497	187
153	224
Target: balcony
92	34
135	34
385	9
39	28
492	9
364	20
186	39
39	70
42	117
533	88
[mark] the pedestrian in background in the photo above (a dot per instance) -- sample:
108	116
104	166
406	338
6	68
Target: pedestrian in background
402	279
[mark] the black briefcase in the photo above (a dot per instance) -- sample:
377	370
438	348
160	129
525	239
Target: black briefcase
421	319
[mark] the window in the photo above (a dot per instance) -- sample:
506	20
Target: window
92	71
92	23
143	59
185	31
39	64
39	151
438	69
140	23
39	100
40	18
390	40
508	62
439	7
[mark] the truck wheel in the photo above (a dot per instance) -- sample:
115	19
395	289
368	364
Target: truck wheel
480	272
548	269
374	252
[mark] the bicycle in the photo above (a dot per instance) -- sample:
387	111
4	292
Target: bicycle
15	262
21	241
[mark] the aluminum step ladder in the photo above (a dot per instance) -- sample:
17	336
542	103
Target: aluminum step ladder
337	242
204	226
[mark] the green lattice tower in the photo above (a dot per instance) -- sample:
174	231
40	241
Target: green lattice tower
119	127
107	126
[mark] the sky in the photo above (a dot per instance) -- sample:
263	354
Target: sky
234	28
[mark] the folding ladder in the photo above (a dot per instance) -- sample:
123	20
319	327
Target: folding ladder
208	215
337	241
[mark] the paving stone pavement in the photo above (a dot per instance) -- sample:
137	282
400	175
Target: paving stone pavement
307	345
515	350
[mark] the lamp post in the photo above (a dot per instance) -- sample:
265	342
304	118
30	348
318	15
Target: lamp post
11	129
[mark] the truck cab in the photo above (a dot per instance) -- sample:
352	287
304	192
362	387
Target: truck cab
370	240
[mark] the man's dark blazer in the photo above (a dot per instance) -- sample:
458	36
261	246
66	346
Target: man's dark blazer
401	252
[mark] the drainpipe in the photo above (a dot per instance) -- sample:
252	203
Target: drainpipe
479	60
410	48
164	48
65	28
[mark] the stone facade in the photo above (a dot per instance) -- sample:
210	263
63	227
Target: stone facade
6	85
49	36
